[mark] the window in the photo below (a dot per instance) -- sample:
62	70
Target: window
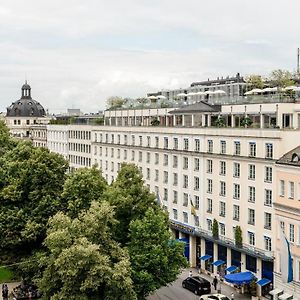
148	141
251	194
268	221
251	174
252	149
210	146
186	144
132	155
268	243
292	233
148	173
281	188
268	174
223	147
166	161
282	226
196	183
209	224
222	168
175	161
165	194
140	156
236	169
125	154
222	209
133	140
156	158
175	214
251	238
156	141
251	216
209	205
141	140
209	166
197	202
185	181
156	175
269	150
268	197
222	188
175	197
197	164
118	138
236	191
166	143
209	186
175	179
197	145
175	143
185	162
185	199
237	148
166	177
185	217
222	228
196	218
236	212
291	190
125	139
148	157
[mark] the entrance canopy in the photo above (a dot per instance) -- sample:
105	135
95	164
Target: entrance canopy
218	263
263	281
205	257
231	269
239	278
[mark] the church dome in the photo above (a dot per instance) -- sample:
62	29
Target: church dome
26	106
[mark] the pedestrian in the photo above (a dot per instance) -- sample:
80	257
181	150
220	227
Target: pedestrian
190	273
232	296
215	282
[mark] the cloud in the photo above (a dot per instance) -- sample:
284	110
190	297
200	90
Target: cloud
77	53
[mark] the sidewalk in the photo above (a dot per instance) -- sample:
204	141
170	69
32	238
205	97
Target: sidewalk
225	288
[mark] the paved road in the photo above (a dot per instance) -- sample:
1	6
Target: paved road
176	292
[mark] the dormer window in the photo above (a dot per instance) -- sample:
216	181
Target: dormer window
295	157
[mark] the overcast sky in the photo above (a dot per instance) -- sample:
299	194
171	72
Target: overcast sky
76	53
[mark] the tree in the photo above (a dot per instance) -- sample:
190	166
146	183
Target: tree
115	102
84	262
31	181
155	257
131	199
155	122
238	236
281	78
215	229
81	188
6	142
255	81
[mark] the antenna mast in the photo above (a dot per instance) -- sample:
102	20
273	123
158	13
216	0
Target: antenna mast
298	53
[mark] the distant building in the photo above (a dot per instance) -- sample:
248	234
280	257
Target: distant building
24	113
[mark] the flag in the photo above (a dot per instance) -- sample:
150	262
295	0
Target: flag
286	263
193	209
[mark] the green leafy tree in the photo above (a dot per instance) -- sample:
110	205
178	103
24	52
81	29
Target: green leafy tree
155	257
115	102
281	78
215	229
31	182
238	236
84	262
255	81
81	188
131	199
6	141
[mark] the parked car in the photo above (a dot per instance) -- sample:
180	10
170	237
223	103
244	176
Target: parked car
197	285
214	297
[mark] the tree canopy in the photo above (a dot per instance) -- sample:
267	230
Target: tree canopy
114	102
156	258
84	262
255	81
281	78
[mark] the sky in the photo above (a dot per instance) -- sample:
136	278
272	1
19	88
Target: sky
76	53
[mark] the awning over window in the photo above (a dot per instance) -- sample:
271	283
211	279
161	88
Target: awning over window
239	278
218	263
231	268
263	281
205	257
285	296
276	292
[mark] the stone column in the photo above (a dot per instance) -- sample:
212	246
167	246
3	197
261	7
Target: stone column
228	263
232	121
208	120
193	120
202	253
203	120
261	121
259	268
192	251
215	269
174	120
183	121
243	262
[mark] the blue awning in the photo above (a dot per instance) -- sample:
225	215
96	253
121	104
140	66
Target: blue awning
218	263
231	268
205	257
239	278
263	281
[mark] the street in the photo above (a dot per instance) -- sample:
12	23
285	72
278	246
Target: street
176	292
